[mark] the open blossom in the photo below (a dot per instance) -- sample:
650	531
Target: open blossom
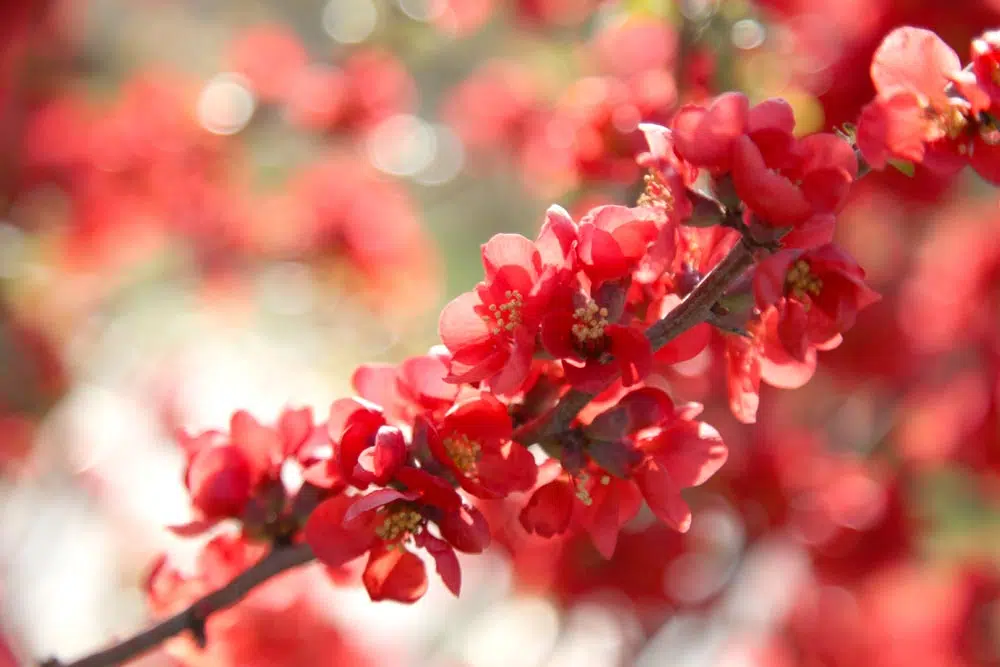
928	110
386	523
415	386
784	180
490	332
583	332
474	440
642	448
224	470
817	293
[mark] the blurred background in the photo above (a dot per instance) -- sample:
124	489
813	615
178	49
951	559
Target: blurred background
212	206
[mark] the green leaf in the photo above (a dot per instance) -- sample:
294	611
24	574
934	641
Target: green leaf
902	166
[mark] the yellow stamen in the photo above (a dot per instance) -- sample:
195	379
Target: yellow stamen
507	316
590	323
463	451
800	281
656	194
398	524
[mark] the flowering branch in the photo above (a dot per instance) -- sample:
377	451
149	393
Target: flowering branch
193	618
694	309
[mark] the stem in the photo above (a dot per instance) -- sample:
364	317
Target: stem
194	617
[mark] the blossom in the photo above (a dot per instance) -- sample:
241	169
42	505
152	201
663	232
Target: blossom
818	294
474	440
225	470
387	523
914	117
490	332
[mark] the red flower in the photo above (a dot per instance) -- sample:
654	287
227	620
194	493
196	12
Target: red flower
386	521
474	441
491	331
366	449
223	470
658	446
762	356
914	117
818	294
582	332
787	181
416	386
704	137
549	509
612	241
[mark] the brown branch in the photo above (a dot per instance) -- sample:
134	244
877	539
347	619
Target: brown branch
193	618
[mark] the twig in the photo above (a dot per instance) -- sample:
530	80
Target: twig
194	617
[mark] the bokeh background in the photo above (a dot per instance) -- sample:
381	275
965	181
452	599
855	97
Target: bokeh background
209	206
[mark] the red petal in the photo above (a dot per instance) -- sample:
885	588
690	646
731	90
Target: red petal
510	378
506	250
601	256
219	481
777	367
557	335
395	574
390	453
816	231
773	113
639	409
769	278
432	490
915	59
460	325
376	383
825	150
742	378
694	452
632	353
373	501
663	496
295	426
484	418
794	329
892	126
193	528
425	377
613	505
445	561
549	509
330	541
505	469
465	529
346	412
703	137
826	189
557	238
773	197
261	445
